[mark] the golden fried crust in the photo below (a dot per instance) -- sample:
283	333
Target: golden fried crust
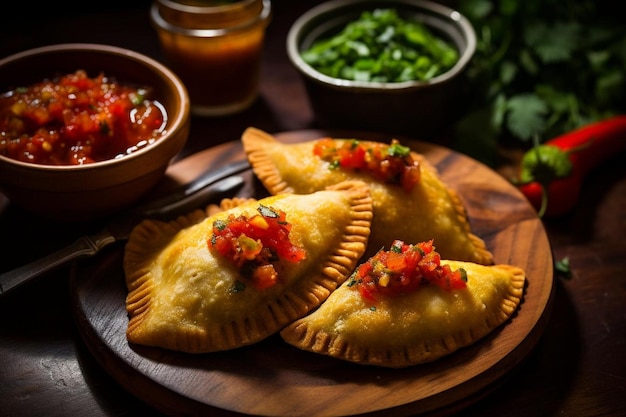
180	293
431	210
412	328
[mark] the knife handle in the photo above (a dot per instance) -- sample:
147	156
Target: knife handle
84	246
91	245
210	177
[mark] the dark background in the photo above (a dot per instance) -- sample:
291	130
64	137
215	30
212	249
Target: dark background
577	369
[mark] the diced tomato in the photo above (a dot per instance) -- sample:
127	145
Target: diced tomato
395	262
324	147
367	290
387	163
264	276
411	176
404	268
256	242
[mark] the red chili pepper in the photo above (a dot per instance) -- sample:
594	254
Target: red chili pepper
552	173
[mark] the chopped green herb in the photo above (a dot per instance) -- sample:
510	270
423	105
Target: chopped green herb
463	274
395	149
396	248
563	267
267	212
138	97
238	287
220	224
381	46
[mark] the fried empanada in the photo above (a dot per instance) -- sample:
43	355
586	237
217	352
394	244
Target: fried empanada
411	328
429	210
185	295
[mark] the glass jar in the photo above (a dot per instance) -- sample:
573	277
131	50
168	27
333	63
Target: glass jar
215	48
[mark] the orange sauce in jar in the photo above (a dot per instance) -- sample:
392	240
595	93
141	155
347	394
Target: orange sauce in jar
215	48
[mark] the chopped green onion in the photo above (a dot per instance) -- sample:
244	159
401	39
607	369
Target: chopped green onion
380	46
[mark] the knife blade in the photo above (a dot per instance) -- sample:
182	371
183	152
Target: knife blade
208	187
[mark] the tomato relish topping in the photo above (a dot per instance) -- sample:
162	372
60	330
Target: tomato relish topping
256	243
404	268
388	163
75	120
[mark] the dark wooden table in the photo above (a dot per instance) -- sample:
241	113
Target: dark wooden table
578	368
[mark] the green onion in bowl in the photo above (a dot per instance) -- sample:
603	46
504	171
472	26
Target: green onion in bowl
380	46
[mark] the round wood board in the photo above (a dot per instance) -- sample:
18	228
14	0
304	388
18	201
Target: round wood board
272	378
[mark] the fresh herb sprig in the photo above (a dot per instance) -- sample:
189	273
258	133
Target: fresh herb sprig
541	68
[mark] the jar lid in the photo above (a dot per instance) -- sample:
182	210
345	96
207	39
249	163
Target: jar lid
190	18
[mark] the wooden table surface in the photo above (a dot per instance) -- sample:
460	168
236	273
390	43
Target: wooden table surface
578	367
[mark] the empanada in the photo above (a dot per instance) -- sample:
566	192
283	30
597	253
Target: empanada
427	209
185	295
399	328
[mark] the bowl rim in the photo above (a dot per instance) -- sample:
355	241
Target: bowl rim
177	121
449	14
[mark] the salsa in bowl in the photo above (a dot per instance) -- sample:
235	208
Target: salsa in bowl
75	119
77	186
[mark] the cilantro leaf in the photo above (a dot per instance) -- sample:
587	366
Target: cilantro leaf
541	68
554	43
526	115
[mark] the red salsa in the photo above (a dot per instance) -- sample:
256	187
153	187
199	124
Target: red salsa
255	244
388	163
75	120
404	268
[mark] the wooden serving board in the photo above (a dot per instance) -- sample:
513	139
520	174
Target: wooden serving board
272	378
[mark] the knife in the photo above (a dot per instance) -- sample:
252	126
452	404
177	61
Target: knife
198	193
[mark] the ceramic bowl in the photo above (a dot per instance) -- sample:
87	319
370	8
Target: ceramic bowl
94	190
417	108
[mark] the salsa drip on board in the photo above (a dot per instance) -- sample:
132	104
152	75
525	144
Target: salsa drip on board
388	163
256	243
74	120
403	269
